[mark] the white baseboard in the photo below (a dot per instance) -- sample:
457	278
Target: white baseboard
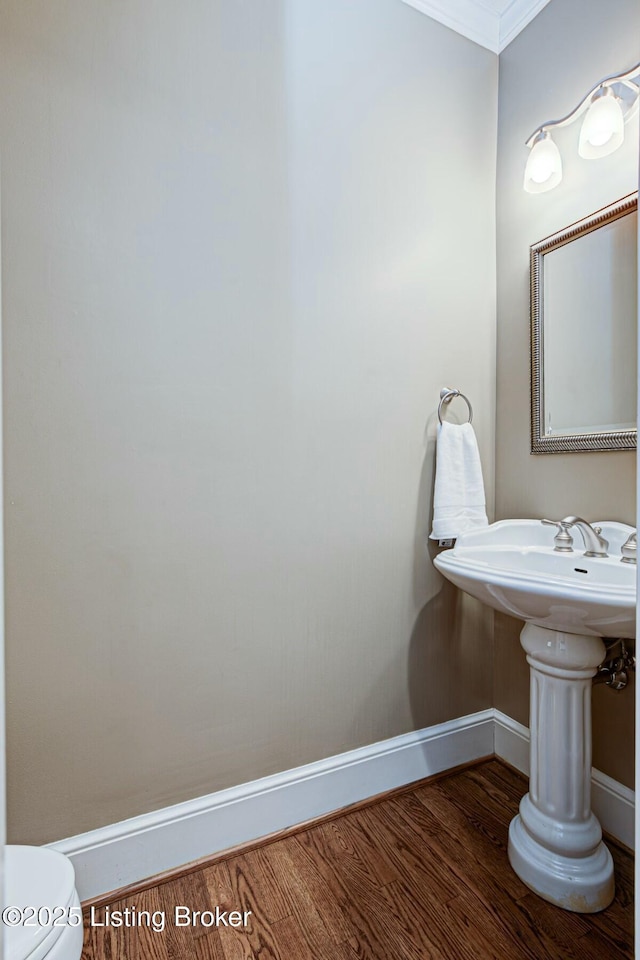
511	742
122	853
612	802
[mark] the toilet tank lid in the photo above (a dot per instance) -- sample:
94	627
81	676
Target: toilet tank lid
35	877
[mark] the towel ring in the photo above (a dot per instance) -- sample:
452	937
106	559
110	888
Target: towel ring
447	395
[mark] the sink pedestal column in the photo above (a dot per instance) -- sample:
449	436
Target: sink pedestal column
555	842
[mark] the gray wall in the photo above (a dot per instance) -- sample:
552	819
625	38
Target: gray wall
244	246
544	73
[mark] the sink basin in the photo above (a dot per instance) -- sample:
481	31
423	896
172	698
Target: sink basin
512	566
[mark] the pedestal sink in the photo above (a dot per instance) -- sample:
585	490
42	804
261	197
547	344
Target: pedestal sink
569	602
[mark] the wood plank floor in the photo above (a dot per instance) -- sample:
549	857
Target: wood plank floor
422	875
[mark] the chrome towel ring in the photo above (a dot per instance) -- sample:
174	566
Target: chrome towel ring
446	396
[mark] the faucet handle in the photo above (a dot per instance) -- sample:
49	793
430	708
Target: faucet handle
563	540
629	549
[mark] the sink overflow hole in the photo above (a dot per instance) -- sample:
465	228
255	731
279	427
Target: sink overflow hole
580	570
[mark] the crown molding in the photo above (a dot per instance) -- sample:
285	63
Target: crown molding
491	23
515	17
471	19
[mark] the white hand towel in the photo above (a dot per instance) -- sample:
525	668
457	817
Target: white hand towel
458	499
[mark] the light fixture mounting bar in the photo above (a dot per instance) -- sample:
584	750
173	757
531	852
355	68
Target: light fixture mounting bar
629	81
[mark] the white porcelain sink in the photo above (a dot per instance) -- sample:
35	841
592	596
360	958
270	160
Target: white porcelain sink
512	566
569	602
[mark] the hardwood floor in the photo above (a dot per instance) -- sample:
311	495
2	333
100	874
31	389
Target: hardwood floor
421	875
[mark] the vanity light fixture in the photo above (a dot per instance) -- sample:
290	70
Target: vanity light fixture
606	109
544	165
602	129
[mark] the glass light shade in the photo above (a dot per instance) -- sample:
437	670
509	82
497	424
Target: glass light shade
544	165
603	127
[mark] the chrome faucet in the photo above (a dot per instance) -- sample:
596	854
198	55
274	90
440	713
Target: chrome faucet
563	541
596	546
629	549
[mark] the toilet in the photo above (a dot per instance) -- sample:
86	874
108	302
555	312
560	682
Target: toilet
37	877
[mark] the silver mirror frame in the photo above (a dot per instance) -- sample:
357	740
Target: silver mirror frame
567	443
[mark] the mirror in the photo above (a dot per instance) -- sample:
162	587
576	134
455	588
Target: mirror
584	312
